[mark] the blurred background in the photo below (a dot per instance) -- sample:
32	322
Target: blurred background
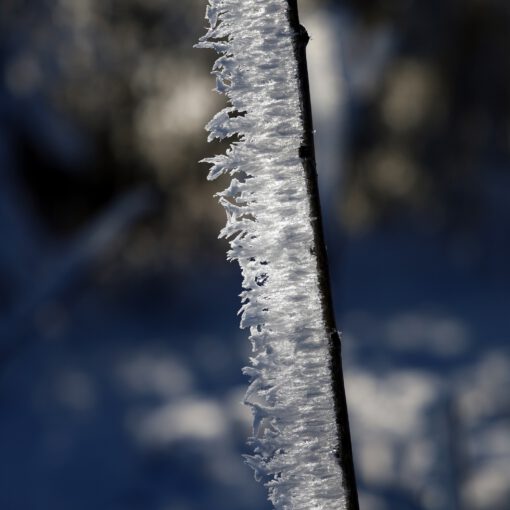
120	353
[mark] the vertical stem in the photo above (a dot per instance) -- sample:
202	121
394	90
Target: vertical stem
307	155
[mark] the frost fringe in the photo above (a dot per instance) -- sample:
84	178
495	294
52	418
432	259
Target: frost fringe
269	227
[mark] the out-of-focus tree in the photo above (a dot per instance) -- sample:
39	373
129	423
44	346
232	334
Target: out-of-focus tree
427	133
101	97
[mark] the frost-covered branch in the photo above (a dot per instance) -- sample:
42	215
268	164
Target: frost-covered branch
301	434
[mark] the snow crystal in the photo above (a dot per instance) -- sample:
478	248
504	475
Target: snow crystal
271	236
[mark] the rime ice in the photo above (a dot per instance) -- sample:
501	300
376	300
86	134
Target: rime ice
270	234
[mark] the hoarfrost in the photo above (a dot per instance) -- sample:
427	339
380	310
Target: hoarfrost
269	227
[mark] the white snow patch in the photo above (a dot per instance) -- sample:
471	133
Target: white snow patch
155	373
195	419
444	336
488	486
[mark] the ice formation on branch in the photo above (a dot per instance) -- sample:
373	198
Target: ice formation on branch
271	236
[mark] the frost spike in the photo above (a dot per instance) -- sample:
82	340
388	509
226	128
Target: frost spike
302	443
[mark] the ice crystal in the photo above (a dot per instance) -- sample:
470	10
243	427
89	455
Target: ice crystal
269	228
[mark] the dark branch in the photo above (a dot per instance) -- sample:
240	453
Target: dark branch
307	155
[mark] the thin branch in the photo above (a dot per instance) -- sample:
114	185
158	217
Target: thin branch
307	154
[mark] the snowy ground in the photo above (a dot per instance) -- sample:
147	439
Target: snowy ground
126	393
428	376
